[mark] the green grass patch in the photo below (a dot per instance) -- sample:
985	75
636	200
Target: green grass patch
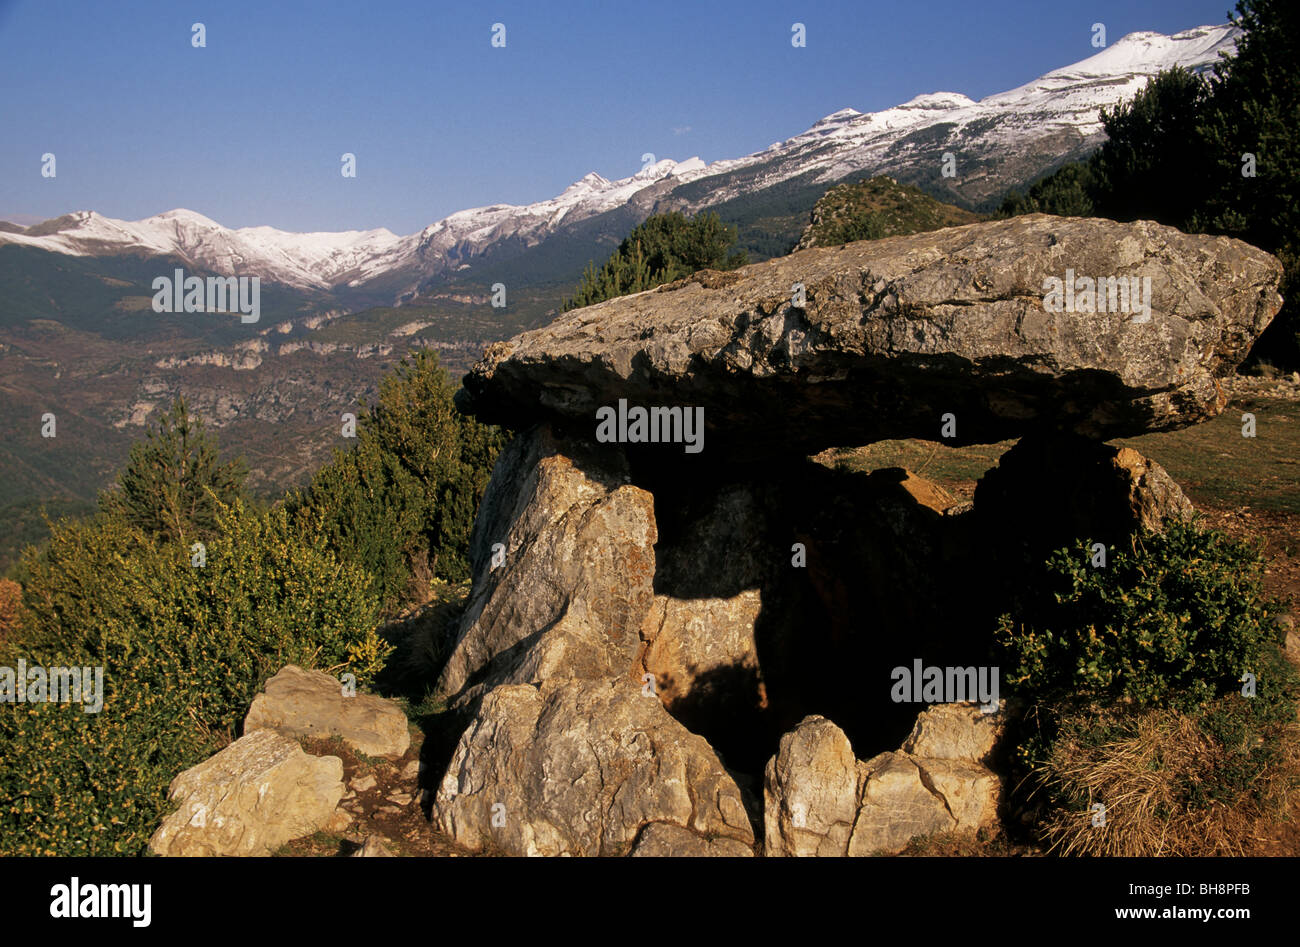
1216	466
954	468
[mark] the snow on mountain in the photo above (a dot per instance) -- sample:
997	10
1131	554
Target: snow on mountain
325	260
467	232
996	128
1065	100
309	260
1072	95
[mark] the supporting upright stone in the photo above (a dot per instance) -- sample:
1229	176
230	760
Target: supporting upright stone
564	562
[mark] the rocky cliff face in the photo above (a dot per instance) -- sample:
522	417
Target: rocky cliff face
654	632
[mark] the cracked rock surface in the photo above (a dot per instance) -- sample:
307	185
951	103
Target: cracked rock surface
573	574
820	801
258	793
896	332
578	767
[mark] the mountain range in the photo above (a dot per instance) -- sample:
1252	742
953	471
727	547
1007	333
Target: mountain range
79	338
998	142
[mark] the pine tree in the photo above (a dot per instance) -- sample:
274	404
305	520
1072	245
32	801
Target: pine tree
401	502
1070	191
1149	167
663	248
1254	110
173	484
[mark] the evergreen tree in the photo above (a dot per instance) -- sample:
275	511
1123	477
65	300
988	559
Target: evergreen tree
663	248
1150	168
173	485
402	502
1067	192
1254	109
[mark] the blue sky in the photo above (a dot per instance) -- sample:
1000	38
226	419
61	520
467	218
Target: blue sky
250	129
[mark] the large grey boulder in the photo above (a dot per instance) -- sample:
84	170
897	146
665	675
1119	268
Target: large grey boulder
249	799
895	333
311	704
569	584
580	767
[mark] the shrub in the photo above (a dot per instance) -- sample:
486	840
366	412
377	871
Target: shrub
270	595
1176	618
94	586
75	783
1250	735
184	650
1132	678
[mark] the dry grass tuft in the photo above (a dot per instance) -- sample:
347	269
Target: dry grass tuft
1146	777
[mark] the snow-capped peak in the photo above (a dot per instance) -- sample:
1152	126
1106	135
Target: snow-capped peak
1061	105
1073	94
309	260
181	215
587	183
1147	53
937	100
837	118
